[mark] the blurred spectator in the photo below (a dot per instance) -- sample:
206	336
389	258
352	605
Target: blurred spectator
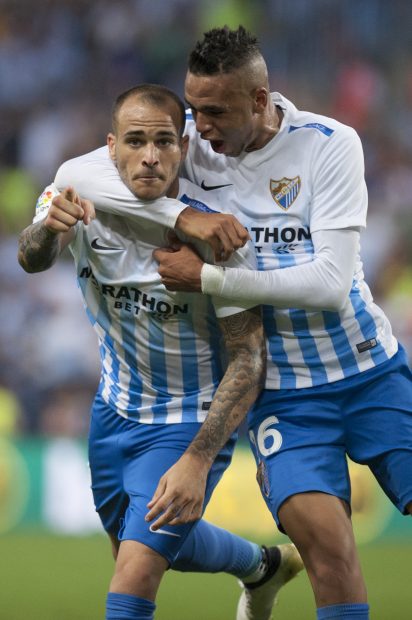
10	413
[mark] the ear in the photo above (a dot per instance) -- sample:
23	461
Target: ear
185	146
111	143
260	99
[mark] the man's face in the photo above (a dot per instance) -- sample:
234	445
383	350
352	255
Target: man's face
146	148
224	111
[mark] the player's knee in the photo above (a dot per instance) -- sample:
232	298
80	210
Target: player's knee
137	579
138	571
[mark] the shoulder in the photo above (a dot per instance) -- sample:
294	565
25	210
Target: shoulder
78	167
310	125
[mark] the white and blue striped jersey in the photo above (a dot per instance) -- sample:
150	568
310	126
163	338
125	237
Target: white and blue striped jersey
309	177
161	352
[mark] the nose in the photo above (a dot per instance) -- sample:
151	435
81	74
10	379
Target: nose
203	124
150	155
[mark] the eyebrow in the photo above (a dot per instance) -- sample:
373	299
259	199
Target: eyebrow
139	132
207	108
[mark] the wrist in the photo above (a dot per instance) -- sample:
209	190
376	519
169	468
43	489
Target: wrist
49	232
212	278
198	460
183	219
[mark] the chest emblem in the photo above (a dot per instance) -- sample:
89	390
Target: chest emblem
285	191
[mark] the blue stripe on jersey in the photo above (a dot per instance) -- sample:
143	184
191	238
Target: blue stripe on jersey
189	115
131	358
366	324
275	341
216	362
322	128
107	346
114	374
340	343
158	370
190	402
308	346
276	349
301	327
90	316
307	342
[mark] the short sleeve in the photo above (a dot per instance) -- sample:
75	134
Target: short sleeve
339	189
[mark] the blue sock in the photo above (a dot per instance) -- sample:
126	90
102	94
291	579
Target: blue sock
210	549
128	607
347	611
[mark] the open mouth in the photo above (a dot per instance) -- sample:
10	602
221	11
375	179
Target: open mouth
217	145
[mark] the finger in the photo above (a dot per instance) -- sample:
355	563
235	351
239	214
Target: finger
187	515
158	494
171	285
160	506
60	219
89	211
223	248
223	254
63	205
68	194
170	514
241	231
160	253
165	518
237	234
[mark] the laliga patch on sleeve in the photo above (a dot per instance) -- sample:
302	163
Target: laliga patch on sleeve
44	201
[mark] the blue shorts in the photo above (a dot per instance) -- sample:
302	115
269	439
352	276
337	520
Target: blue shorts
300	437
127	459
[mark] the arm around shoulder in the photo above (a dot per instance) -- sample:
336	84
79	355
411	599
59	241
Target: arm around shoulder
319	284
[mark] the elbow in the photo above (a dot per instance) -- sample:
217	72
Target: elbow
23	264
28	266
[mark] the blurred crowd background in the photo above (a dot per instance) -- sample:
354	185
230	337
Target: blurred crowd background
62	62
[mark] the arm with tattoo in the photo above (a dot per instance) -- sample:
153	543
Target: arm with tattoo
39	248
180	493
41	243
240	386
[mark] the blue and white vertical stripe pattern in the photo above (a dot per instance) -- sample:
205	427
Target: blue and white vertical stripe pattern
157	367
313	348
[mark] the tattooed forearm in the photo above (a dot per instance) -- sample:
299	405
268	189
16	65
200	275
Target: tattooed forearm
38	248
240	386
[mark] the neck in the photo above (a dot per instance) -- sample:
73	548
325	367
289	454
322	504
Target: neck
269	128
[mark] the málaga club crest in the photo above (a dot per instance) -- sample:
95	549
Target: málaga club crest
285	191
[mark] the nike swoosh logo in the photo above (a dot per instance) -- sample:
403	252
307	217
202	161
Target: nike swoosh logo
96	245
209	188
160	531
